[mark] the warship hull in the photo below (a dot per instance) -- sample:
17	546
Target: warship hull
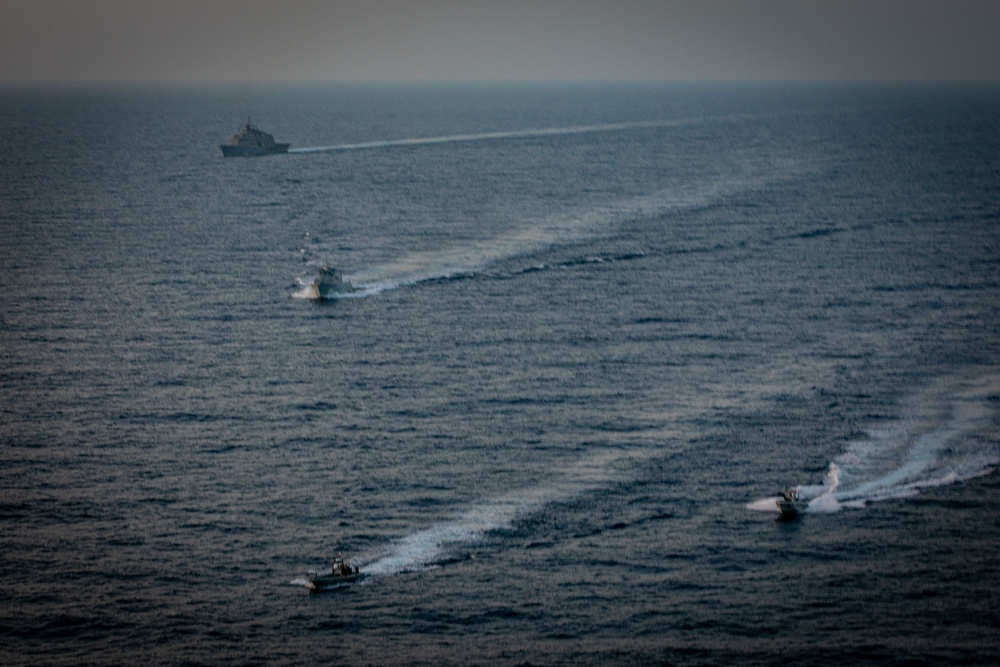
252	142
253	151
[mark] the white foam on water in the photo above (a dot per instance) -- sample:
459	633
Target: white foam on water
493	136
422	549
303	291
764	504
948	433
563	228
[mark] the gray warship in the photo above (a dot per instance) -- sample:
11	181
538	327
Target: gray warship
252	142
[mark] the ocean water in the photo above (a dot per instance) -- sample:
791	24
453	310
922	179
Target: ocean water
596	330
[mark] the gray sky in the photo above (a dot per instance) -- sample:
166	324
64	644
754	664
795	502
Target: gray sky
445	40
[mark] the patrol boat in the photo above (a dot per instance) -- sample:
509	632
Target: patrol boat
791	504
252	142
329	282
340	574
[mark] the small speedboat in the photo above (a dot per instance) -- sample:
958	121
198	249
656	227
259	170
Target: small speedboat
328	282
340	574
791	503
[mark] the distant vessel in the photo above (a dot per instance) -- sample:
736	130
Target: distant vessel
791	504
328	282
251	142
340	574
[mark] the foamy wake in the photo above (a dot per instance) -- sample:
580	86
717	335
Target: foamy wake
422	549
472	257
946	434
493	136
535	235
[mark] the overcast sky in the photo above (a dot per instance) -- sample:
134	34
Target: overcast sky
499	40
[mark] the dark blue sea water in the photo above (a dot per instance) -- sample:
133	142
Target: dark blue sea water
597	329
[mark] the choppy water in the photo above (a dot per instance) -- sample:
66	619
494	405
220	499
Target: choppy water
596	331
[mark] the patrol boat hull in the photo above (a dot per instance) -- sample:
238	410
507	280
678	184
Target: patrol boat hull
791	509
327	582
328	283
791	504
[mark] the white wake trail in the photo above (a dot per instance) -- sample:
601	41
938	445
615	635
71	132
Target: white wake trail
493	136
559	228
423	548
947	433
562	228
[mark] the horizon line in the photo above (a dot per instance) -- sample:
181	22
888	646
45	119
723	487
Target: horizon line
263	83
